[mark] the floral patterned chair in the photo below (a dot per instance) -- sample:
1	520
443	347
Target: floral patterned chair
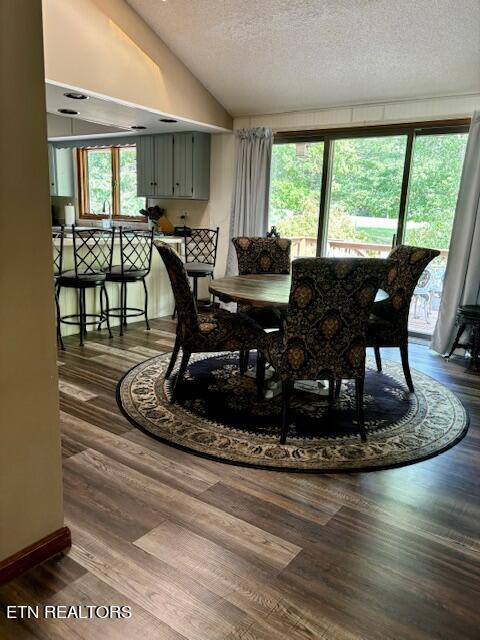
324	336
200	332
388	326
262	255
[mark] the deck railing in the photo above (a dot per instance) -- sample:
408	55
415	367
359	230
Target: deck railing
306	247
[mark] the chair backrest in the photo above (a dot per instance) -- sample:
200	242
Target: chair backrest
402	278
186	308
92	250
135	250
201	246
262	255
57	246
328	310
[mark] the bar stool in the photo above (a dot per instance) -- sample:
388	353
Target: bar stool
92	254
468	317
135	265
200	256
57	246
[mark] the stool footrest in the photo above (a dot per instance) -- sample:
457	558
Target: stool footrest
137	312
98	317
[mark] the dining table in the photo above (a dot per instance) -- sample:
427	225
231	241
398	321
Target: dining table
265	290
260	290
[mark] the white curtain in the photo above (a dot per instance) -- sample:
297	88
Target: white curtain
251	188
462	276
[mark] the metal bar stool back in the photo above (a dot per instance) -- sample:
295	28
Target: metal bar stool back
92	255
200	255
57	248
135	264
92	250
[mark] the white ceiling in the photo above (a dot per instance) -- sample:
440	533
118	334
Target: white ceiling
117	116
271	56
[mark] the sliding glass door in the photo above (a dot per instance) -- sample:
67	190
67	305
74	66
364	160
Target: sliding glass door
358	194
365	190
296	180
434	182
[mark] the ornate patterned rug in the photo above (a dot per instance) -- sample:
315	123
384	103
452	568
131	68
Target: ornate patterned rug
217	416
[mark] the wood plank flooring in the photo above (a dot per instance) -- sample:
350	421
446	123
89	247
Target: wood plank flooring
205	551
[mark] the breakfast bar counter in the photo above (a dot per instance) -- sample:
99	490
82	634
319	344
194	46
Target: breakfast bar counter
160	296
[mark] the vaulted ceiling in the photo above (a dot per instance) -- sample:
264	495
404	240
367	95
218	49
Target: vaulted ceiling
271	56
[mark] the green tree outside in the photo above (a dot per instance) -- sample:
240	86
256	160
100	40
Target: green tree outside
366	182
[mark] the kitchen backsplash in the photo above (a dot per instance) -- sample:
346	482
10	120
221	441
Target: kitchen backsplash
196	213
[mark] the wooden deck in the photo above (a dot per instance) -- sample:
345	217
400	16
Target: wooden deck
207	551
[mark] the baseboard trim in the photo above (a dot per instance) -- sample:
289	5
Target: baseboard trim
34	554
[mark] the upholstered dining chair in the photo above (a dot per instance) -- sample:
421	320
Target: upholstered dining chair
203	332
388	325
326	325
262	255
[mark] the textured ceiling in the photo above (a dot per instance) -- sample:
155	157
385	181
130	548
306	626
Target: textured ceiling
270	56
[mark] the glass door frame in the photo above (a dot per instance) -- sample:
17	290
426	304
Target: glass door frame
328	137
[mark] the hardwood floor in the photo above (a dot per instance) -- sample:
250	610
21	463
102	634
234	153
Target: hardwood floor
204	551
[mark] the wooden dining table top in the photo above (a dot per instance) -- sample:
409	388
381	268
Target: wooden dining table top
260	290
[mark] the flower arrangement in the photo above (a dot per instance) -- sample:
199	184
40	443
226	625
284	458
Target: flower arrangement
158	218
153	213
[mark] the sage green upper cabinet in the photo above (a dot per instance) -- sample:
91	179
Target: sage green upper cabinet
146	166
164	165
201	166
60	165
174	166
183	165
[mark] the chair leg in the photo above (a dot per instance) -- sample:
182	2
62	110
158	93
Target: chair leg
174	312
85	328
338	387
359	384
122	291
125	306
456	341
102	312
260	377
241	361
180	374
173	359
286	389
331	392
104	292
378	357
195	289
146	304
244	357
59	331
81	313
406	367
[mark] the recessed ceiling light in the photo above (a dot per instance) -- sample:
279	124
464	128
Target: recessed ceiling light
168	120
136	127
69	112
75	96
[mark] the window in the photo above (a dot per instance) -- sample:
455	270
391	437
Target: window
358	192
107	180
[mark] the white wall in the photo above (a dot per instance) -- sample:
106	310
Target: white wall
221	181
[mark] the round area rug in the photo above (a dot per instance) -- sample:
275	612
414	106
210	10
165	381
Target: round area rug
217	415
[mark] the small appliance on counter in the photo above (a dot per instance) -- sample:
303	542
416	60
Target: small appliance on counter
184	232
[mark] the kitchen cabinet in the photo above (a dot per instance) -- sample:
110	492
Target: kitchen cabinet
60	166
174	166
